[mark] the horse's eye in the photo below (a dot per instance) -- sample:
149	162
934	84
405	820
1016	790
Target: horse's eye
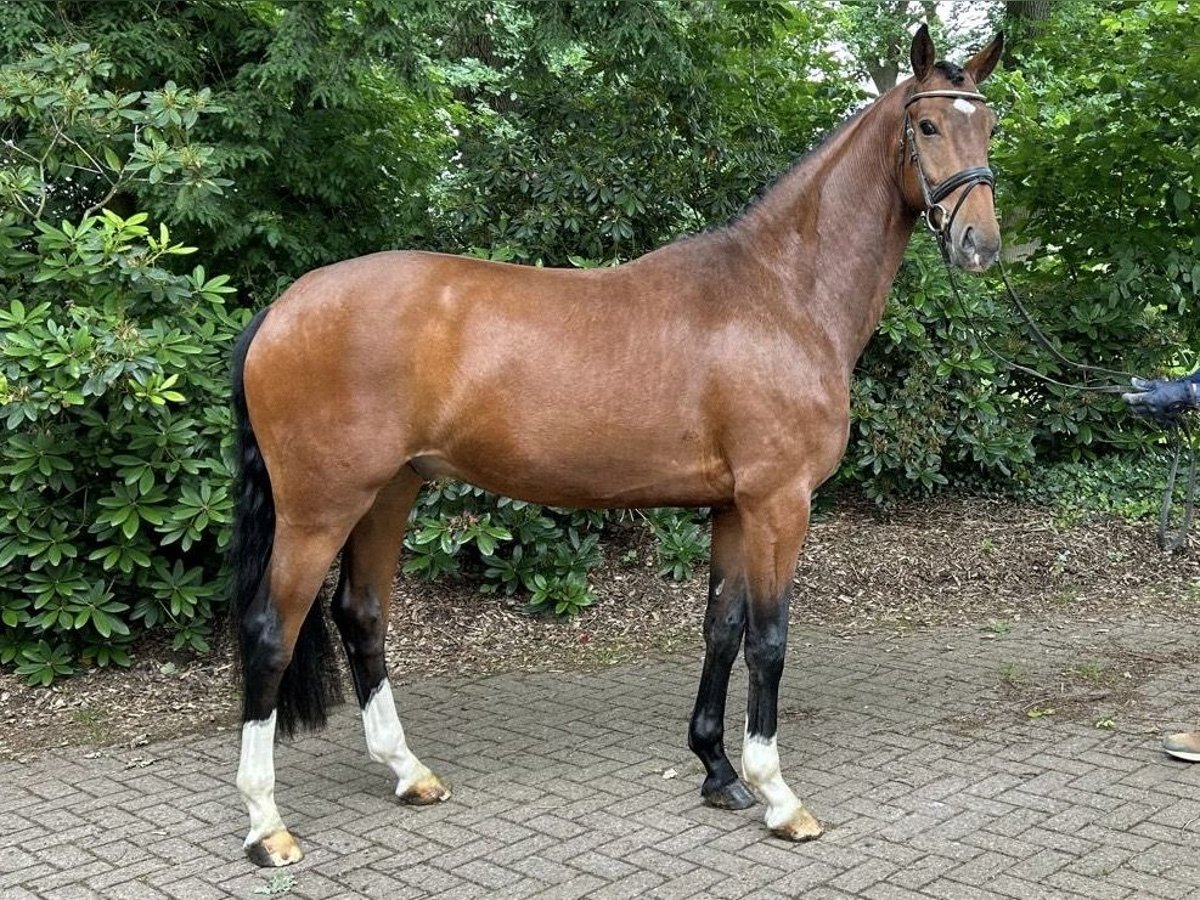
928	127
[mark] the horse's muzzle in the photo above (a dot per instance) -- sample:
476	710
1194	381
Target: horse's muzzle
975	251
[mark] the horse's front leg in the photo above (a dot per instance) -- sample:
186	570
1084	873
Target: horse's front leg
773	532
724	625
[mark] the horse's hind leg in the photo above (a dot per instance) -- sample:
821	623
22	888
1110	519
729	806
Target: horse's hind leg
271	625
360	610
724	624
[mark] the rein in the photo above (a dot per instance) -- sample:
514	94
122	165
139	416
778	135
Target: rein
1167	541
1041	338
972	178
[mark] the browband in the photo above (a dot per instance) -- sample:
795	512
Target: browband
963	95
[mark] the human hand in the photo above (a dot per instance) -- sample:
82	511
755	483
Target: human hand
1163	401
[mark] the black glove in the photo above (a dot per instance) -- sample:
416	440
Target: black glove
1163	401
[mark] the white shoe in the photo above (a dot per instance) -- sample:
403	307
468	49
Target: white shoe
1185	745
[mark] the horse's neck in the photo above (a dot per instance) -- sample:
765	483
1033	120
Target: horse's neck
837	227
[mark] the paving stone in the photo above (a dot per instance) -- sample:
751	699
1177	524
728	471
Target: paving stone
559	789
861	877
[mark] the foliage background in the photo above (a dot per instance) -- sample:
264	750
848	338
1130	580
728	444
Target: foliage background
167	167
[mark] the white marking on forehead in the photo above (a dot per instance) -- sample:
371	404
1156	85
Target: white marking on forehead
964	106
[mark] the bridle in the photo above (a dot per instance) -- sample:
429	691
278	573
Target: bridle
934	194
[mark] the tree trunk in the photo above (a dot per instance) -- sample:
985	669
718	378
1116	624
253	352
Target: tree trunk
885	74
1023	20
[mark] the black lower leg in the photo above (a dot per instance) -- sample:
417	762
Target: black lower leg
766	647
724	624
262	657
359	620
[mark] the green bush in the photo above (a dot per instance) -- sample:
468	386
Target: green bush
113	377
682	541
1096	167
931	402
1129	487
512	546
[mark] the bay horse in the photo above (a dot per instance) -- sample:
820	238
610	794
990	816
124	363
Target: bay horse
713	372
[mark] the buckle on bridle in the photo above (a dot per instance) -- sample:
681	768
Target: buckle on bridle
937	229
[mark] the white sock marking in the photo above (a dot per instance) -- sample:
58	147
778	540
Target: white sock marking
385	738
760	767
256	778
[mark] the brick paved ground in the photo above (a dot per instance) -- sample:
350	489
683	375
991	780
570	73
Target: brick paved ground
917	751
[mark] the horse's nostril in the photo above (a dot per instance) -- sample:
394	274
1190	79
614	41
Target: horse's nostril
968	238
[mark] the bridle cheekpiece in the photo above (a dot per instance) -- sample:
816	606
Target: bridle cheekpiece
934	194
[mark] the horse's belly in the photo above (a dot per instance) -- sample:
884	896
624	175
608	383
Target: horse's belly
597	480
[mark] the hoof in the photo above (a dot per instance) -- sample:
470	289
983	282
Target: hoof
425	791
802	826
734	795
278	849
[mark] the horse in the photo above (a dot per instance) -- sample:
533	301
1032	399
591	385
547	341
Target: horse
713	372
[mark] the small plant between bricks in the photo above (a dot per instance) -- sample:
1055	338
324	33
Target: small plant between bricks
1013	674
279	883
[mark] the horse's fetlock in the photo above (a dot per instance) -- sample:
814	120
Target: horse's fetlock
255	783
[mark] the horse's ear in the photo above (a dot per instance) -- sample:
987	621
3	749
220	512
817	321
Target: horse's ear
981	64
922	54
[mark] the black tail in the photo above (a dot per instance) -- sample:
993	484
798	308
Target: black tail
310	684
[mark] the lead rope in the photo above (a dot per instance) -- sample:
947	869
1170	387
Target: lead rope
1045	342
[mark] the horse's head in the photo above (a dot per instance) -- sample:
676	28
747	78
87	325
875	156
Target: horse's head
944	165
